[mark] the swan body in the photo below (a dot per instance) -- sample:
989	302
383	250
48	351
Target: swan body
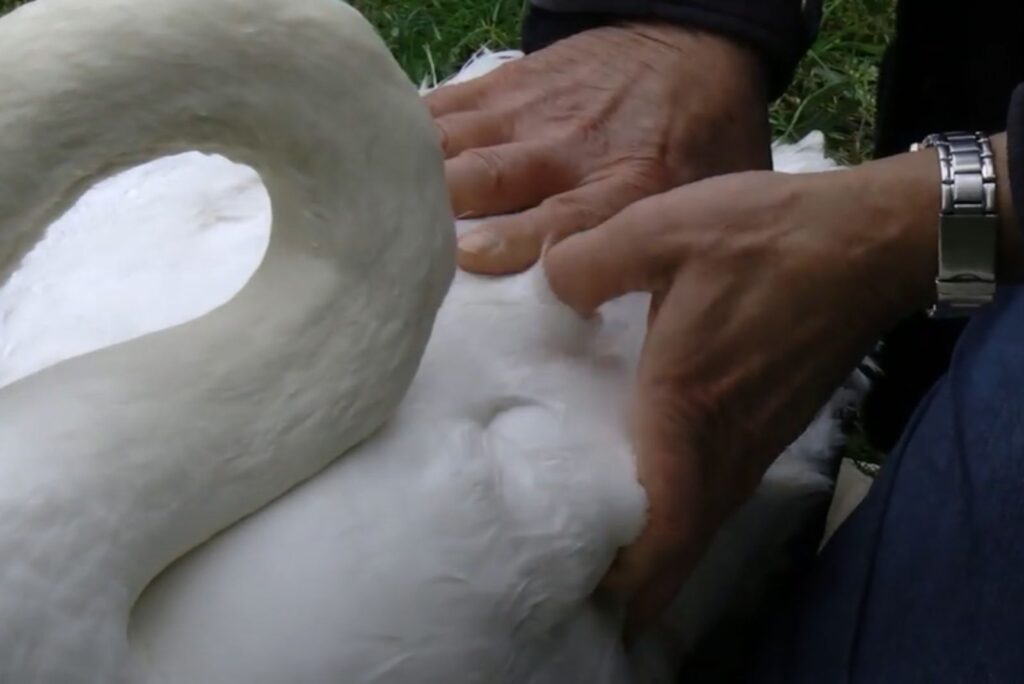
172	504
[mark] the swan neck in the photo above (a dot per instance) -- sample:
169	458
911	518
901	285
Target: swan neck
124	459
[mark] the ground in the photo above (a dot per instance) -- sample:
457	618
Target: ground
833	90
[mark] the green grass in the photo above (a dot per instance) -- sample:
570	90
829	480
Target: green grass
834	89
431	38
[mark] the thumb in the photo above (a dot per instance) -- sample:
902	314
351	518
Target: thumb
627	253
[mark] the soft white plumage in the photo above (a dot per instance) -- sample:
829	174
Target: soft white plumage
461	543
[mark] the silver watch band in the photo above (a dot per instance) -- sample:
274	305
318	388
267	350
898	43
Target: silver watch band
968	223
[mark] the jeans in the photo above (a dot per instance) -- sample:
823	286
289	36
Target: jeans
925	581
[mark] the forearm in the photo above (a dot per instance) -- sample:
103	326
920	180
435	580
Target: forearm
779	30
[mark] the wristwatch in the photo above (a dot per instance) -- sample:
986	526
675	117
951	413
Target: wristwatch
968	223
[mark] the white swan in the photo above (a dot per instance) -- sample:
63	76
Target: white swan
459	544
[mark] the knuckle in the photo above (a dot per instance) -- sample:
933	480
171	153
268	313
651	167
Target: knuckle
647	177
655	231
489	164
433	101
443	135
580	212
591	127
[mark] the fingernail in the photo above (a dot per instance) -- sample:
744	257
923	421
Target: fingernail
480	242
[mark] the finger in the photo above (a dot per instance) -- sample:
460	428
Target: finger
636	566
456	98
672	471
672	527
650	603
625	254
465	130
650	572
499	180
515	243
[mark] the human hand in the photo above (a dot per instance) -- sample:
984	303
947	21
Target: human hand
578	131
768	290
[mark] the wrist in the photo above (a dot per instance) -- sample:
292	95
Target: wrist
902	201
896	216
718	92
731	61
882	217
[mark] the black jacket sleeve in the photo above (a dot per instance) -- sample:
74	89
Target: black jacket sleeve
781	30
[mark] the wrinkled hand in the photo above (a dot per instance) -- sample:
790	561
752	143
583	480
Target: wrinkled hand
769	289
578	131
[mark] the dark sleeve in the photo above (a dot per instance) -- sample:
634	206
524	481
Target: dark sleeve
1015	151
781	30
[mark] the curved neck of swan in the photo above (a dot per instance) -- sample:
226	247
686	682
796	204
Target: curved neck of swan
118	462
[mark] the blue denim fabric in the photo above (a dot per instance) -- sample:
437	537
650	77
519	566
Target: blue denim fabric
925	581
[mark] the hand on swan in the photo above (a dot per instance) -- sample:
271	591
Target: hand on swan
573	134
768	290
